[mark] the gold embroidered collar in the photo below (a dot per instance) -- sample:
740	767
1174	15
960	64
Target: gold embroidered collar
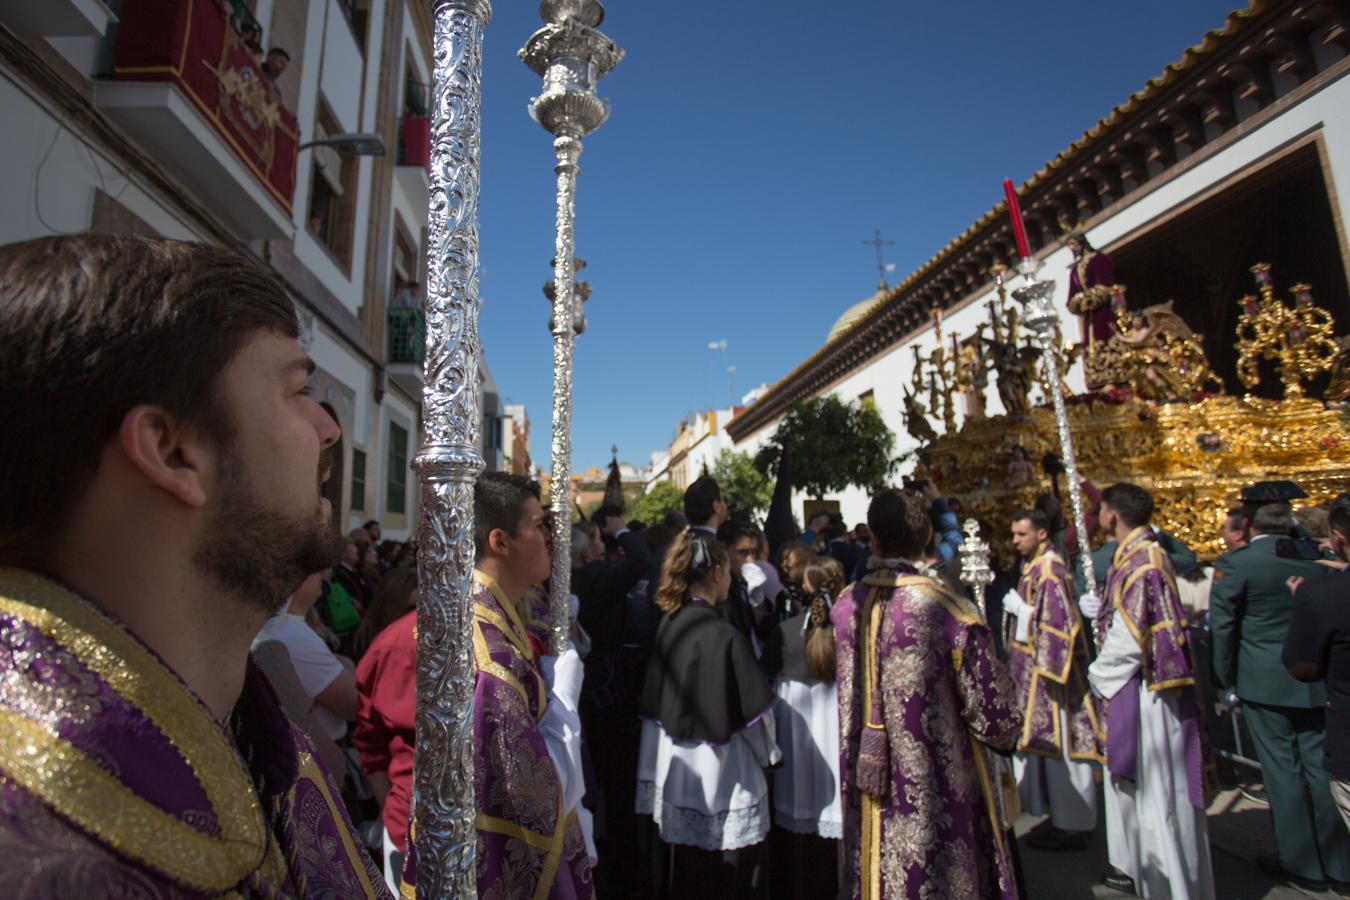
59	774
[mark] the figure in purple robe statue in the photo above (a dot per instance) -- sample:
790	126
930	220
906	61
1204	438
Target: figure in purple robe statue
923	700
117	781
1090	279
1156	755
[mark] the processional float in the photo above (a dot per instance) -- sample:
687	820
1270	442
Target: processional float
1155	413
570	55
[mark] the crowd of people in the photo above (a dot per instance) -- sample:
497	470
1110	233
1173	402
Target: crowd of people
837	715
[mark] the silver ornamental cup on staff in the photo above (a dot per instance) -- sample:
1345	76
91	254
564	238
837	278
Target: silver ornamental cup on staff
449	463
976	572
571	56
1040	316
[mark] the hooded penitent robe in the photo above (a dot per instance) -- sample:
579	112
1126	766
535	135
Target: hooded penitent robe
1156	756
117	781
922	701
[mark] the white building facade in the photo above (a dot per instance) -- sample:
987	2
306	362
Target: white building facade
155	118
1239	153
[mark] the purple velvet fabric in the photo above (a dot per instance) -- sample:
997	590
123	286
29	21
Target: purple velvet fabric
1122	745
944	701
1098	271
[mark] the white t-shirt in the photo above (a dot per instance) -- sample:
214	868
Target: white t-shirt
315	665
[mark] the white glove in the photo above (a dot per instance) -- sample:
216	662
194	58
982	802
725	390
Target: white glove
754	579
1013	604
563	676
1090	605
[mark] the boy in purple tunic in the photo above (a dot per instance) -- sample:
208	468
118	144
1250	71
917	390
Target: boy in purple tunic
159	499
923	702
1048	659
526	786
1155	740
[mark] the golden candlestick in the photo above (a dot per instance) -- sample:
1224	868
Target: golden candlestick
1298	338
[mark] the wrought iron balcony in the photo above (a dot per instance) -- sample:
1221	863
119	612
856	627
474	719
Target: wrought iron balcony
407	330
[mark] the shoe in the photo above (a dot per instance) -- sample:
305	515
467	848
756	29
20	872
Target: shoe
1117	880
1275	872
1058	839
1342	888
1256	795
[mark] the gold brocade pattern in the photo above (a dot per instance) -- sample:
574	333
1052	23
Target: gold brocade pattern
337	866
177	848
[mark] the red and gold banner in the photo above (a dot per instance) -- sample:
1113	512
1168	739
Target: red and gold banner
191	44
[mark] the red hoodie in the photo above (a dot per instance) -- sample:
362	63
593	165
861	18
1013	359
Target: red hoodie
386	682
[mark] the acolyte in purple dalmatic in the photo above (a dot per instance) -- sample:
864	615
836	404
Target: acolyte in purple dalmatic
1050	667
116	780
1141	588
922	701
528	845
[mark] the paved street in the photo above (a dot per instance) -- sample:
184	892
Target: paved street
1240	830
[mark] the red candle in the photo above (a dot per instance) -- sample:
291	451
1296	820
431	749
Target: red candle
1015	212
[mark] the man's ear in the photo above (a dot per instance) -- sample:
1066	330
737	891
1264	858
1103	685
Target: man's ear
497	542
171	456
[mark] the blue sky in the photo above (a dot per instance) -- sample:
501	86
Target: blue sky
751	149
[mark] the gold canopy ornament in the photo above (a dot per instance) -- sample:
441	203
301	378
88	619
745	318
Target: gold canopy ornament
1299	338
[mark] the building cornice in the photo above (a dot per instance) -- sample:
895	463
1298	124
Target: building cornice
1182	115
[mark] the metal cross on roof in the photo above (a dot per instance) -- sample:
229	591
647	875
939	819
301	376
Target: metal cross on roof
882	267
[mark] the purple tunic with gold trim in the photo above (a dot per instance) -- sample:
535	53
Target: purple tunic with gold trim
1050	668
1141	588
116	781
922	699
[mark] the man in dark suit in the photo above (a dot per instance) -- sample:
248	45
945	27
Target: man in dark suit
1318	649
1250	608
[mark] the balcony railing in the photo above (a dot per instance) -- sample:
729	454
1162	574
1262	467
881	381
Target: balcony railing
192	46
407	335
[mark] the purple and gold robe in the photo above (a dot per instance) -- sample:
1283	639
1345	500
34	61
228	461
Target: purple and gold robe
1095	270
527	845
922	699
1050	668
1141	588
116	780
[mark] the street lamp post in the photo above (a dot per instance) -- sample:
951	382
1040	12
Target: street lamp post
449	464
571	56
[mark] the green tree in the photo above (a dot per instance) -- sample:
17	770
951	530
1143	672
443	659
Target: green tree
831	445
743	486
652	506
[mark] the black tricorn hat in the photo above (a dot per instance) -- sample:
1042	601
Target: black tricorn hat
1271	492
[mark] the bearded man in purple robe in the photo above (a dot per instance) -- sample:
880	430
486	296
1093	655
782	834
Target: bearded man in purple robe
1090	279
923	703
1048	658
159	499
1156	754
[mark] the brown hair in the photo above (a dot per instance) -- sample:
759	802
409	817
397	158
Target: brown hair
793	560
824	578
93	325
397	595
681	570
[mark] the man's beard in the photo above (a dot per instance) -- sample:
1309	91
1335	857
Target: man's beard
261	555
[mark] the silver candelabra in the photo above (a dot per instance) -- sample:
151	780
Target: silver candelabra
1040	316
976	573
571	56
449	463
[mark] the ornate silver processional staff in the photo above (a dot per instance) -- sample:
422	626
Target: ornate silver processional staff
571	56
1041	318
449	463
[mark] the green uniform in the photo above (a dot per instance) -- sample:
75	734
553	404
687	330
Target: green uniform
1249	612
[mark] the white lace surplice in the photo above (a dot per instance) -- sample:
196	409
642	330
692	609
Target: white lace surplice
710	796
806	796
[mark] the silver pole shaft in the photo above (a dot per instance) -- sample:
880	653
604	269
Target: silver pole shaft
568	148
1070	464
449	464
